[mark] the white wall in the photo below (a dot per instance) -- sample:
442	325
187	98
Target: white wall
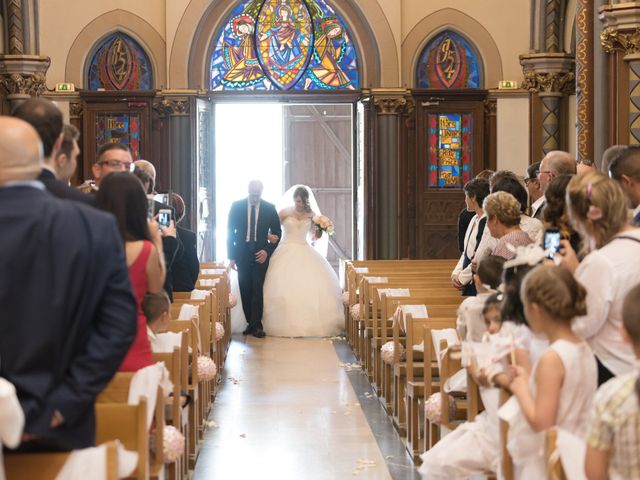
513	133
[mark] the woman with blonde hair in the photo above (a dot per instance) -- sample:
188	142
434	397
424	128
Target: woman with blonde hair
503	221
597	210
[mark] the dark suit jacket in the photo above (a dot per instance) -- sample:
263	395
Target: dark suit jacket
67	314
237	229
62	190
464	219
186	266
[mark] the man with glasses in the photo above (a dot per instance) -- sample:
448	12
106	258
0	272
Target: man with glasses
536	196
113	157
555	163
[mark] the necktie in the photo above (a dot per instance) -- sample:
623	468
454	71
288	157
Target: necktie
252	227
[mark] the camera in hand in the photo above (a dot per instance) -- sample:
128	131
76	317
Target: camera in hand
552	241
164	217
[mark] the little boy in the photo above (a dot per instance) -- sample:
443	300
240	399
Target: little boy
156	307
470	323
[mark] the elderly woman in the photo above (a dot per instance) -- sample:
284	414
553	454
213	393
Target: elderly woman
503	221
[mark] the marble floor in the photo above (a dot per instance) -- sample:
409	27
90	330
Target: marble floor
294	409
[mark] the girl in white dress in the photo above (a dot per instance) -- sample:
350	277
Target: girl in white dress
302	295
563	382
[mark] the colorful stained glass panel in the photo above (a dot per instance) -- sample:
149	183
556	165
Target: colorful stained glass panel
119	128
119	63
283	45
449	61
449	149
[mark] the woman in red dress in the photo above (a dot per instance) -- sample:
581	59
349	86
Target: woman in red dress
122	195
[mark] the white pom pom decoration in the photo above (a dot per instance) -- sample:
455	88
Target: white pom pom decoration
355	311
233	301
345	298
172	443
387	352
219	331
433	408
206	369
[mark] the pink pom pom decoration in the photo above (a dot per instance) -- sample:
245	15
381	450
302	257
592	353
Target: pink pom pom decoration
387	352
433	408
233	301
206	369
345	298
172	443
355	311
219	331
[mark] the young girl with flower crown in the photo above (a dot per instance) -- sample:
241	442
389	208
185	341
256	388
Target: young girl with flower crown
560	390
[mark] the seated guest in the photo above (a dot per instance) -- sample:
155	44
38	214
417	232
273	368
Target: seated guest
609	155
536	196
121	194
186	267
598	211
625	169
465	216
60	147
555	213
112	157
560	389
68	315
470	323
613	445
503	222
156	308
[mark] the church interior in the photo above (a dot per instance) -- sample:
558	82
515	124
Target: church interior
417	125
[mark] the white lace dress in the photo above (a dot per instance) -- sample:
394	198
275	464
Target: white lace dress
301	291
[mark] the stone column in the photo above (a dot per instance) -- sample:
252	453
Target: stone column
620	39
549	77
390	105
177	152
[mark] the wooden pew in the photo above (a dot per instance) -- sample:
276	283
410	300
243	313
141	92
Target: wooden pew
45	466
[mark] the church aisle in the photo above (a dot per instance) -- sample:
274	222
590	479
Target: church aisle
288	410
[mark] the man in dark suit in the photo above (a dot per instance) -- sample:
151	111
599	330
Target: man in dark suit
186	265
248	247
60	149
68	316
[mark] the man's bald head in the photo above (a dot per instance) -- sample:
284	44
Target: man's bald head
20	151
554	164
147	167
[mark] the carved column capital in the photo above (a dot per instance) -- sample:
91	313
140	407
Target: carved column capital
169	106
549	73
75	110
23	76
613	39
396	101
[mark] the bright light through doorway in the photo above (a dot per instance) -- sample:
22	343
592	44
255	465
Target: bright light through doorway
248	146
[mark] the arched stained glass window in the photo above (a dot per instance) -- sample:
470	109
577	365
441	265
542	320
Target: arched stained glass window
449	61
119	63
283	45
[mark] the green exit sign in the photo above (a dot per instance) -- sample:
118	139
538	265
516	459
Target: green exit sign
507	85
65	87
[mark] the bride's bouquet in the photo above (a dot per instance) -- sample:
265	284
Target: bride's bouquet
323	224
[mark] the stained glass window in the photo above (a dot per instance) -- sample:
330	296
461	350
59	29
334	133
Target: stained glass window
119	63
119	128
449	150
449	61
283	45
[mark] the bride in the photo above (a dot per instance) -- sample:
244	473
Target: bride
301	290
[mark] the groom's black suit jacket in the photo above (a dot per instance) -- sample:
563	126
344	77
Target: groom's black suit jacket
237	229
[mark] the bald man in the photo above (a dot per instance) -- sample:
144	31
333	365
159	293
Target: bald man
554	164
68	314
248	248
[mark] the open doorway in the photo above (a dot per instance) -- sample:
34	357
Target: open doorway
283	145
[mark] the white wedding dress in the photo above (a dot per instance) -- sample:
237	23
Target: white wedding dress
301	290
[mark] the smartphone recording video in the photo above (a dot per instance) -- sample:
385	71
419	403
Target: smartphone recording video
552	241
164	217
